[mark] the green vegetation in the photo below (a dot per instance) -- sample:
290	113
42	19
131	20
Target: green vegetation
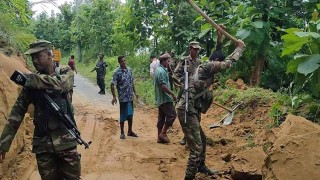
280	103
14	32
276	114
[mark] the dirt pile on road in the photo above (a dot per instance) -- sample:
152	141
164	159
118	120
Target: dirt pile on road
237	150
8	95
295	151
252	147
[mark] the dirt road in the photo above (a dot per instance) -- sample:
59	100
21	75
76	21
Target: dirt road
109	157
112	158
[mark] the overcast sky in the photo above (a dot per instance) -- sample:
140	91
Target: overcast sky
47	7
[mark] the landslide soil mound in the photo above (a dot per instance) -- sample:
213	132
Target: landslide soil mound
294	153
8	94
252	147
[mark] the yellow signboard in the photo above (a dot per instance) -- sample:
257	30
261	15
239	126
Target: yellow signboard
56	55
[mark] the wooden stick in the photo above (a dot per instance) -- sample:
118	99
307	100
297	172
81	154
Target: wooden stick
228	109
195	7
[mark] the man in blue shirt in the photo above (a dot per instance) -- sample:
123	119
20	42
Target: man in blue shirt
166	111
123	79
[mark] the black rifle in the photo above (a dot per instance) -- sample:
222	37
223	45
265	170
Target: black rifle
64	119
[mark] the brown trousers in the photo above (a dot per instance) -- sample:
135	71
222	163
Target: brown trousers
166	114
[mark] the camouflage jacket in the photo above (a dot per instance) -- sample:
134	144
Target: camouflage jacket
48	135
192	65
202	76
178	76
172	66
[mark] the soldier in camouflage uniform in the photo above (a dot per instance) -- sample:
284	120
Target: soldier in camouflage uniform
199	80
55	149
172	67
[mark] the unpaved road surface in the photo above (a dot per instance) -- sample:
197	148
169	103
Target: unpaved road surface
109	157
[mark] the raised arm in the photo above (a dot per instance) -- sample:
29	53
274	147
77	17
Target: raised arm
233	57
219	38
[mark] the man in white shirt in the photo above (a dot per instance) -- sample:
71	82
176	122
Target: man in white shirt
154	63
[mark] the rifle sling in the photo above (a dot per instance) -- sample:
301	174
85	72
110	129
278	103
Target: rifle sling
201	93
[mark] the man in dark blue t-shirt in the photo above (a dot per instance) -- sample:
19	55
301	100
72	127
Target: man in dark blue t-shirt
101	68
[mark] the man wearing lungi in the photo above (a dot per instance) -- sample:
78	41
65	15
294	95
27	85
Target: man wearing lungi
123	79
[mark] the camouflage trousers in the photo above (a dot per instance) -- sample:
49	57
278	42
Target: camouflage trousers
59	165
196	140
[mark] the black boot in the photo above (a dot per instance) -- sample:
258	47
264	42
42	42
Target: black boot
204	169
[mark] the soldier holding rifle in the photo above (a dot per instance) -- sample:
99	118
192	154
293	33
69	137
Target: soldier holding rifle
189	114
55	148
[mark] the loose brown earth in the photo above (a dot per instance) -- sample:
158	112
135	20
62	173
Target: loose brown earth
246	149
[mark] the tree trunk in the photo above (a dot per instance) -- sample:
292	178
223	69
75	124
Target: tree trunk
261	56
257	70
79	51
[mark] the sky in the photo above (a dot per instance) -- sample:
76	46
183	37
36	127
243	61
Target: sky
47	7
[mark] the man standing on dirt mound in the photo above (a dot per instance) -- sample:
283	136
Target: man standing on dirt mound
101	68
199	81
166	111
123	79
55	148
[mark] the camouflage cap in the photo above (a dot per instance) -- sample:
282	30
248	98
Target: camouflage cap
38	46
164	56
194	44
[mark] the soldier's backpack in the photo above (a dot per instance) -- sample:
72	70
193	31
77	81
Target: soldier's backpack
203	101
